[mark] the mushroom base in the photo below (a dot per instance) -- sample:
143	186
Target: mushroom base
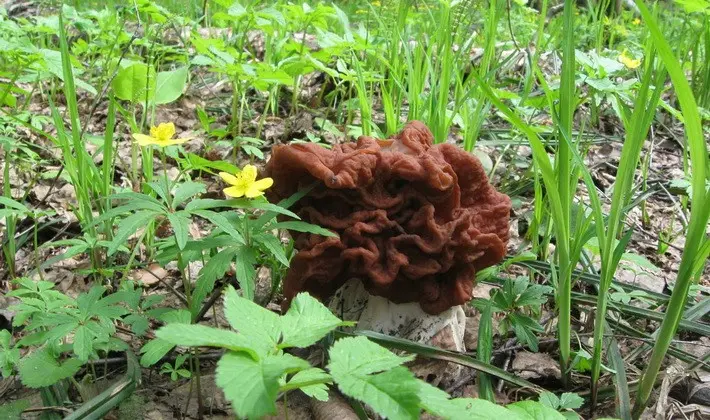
406	320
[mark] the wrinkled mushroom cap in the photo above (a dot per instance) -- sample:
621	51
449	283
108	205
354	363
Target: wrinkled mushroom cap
415	220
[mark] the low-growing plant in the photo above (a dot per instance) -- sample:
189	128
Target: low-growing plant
519	302
257	367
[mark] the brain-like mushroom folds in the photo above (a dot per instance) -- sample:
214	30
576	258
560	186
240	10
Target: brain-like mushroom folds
415	220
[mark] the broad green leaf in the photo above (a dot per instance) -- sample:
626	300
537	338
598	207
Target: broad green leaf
214	269
533	410
392	394
306	322
40	369
259	326
135	83
169	85
251	386
360	356
201	336
13	410
317	391
438	402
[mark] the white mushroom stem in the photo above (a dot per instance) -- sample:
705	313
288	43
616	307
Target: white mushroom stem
406	320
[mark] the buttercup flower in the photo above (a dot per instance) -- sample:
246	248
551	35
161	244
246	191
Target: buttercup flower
162	136
630	63
636	21
245	183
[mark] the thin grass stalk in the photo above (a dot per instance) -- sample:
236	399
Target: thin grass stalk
564	178
484	352
82	179
699	214
637	127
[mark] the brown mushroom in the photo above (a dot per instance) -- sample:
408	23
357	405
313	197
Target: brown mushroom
415	221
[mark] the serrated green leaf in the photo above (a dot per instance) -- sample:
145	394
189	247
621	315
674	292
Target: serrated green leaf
201	336
306	322
360	356
259	326
251	386
533	410
317	391
40	369
392	394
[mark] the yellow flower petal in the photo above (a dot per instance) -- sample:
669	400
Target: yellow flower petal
236	192
144	140
249	173
263	184
171	142
229	178
164	131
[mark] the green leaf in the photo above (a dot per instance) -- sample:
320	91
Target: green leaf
392	393
129	226
306	322
201	336
570	401
214	269
154	350
259	326
169	85
274	246
251	386
438	402
222	223
246	272
360	356
181	228
135	83
185	190
299	226
41	369
317	391
532	410
13	410
83	339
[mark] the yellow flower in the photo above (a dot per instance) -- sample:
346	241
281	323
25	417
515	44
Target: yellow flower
630	63
245	183
636	21
162	136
